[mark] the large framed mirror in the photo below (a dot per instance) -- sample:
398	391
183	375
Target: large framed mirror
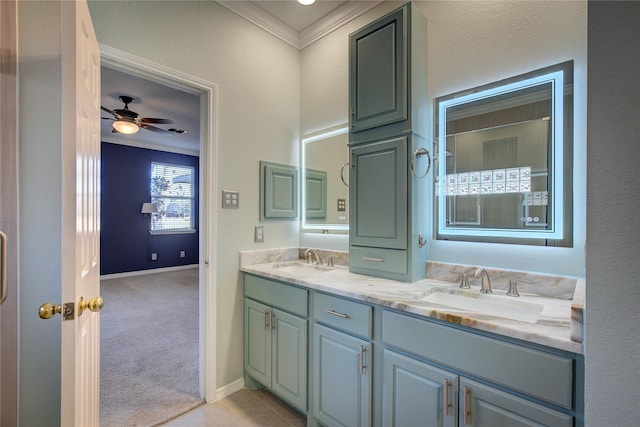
504	154
324	180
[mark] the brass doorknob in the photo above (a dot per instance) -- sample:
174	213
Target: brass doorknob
94	304
48	310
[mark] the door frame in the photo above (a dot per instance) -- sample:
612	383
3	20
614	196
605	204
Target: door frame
208	92
9	212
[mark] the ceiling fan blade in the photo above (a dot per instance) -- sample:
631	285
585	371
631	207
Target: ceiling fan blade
155	129
160	121
107	110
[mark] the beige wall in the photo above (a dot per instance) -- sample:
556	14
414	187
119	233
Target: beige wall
613	242
470	43
258	79
473	43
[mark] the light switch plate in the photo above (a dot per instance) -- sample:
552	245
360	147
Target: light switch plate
230	199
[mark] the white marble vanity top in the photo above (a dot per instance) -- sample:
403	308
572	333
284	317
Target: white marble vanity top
553	327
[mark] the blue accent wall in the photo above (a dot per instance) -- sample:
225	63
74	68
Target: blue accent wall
124	231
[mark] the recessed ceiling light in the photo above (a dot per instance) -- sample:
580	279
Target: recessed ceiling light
306	2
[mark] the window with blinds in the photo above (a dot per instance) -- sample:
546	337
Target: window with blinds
172	193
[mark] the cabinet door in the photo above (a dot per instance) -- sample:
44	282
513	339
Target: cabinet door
341	378
378	73
418	394
289	358
484	406
378	194
257	341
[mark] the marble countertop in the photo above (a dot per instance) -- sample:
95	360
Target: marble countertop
556	325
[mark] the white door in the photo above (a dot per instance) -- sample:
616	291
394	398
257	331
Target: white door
80	363
8	216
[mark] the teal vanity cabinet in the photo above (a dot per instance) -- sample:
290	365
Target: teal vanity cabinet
275	338
387	94
342	371
451	377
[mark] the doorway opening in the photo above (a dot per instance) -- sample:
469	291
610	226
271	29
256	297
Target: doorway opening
202	269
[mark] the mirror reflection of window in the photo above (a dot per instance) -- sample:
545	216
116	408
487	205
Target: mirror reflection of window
503	150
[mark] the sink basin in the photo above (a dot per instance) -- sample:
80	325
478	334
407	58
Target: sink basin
301	267
489	304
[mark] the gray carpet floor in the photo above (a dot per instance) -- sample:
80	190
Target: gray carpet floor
149	348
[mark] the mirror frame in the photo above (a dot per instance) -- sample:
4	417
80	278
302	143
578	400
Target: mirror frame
309	138
559	76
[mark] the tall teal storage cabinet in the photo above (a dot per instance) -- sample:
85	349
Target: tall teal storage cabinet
388	118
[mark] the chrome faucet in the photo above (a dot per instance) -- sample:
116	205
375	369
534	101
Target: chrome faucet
309	252
485	288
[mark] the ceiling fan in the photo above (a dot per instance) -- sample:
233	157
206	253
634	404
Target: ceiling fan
129	122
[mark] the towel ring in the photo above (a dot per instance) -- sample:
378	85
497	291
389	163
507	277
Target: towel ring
419	152
342	174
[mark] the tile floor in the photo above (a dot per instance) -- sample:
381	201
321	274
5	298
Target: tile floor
244	408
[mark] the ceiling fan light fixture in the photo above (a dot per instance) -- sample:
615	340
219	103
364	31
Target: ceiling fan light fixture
306	2
123	126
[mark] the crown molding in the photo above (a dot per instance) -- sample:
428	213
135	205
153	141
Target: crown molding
316	31
334	20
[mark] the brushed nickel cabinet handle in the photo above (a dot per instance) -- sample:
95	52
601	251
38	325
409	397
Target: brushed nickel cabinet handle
266	319
337	313
3	267
447	402
366	258
362	365
273	320
466	392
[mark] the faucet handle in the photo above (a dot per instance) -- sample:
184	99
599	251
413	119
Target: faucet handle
513	287
464	279
330	262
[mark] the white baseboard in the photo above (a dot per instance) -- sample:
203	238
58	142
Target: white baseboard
229	389
150	271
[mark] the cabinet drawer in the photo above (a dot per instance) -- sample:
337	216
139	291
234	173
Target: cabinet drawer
287	298
543	375
342	314
385	260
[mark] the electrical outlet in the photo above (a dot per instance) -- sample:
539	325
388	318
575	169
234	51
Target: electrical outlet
258	234
342	205
182	254
230	199
154	256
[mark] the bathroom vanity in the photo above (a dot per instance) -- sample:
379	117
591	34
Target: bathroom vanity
348	349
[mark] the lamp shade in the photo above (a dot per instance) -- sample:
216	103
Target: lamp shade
148	208
126	127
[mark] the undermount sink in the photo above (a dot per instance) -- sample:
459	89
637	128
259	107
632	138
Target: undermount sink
301	266
488	304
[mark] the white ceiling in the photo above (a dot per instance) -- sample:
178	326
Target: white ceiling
297	16
151	100
293	23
